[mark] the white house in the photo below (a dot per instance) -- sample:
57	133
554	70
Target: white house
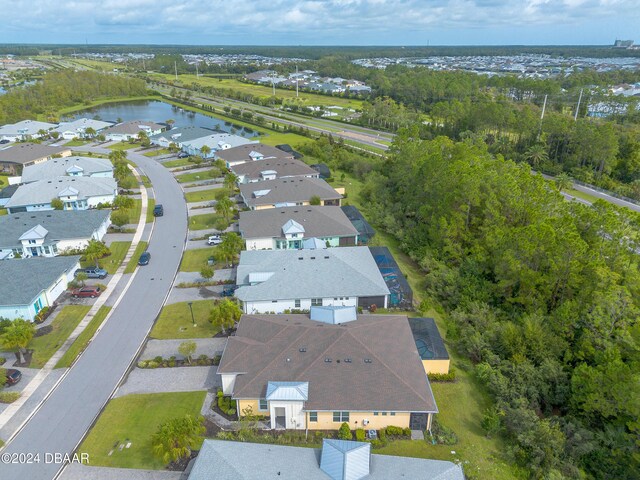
24	130
49	233
78	128
279	280
179	135
126	131
215	142
28	285
68	166
76	193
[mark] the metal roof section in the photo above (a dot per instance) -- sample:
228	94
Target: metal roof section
288	391
69	192
259	277
344	459
334	315
292	227
260	193
57	167
313	244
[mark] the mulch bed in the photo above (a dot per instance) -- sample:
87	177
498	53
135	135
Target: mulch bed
182	464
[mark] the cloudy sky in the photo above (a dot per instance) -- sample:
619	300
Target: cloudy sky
320	22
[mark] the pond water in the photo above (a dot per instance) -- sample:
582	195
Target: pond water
159	112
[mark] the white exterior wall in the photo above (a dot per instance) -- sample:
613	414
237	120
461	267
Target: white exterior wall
73	243
260	244
60	285
94	201
305	304
228	382
294	414
19	311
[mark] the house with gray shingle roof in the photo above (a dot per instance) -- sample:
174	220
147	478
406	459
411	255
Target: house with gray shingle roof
16	157
24	130
270	169
68	166
225	460
49	233
130	130
214	142
78	128
179	135
28	285
251	153
279	280
287	192
76	193
316	371
271	229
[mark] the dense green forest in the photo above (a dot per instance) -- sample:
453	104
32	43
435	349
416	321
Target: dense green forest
65	88
542	295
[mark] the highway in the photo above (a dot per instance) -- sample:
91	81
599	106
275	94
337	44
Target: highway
64	418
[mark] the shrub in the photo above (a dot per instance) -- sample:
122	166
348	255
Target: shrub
172	363
345	432
406	432
375	443
382	436
43	331
2	360
231	411
158	359
219	394
394	431
9	397
152	364
318	436
442	435
143	364
360	435
443	377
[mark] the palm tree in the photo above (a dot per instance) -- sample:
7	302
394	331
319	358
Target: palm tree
223	207
95	251
563	182
230	181
205	150
90	132
230	247
17	336
225	314
536	154
174	439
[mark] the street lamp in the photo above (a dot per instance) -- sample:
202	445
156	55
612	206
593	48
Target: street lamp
193	320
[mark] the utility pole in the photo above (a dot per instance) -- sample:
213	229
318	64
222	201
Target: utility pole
175	66
297	79
544	107
197	74
575	117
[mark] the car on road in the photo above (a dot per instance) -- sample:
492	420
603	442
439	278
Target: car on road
158	210
144	258
229	290
92	272
13	376
183	155
91	291
214	240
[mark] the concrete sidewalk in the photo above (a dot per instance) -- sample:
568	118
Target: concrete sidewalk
42	375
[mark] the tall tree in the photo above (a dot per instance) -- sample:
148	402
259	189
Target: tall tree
17	336
175	439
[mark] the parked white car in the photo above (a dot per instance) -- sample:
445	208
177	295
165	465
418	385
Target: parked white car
214	240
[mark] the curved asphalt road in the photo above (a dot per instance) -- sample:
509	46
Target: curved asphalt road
69	412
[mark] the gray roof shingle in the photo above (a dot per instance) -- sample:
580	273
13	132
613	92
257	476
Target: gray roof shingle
42	191
58	167
330	272
283	168
28	152
21	280
318	221
266	348
60	224
182	134
241	153
287	190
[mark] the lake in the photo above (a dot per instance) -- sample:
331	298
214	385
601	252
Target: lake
159	112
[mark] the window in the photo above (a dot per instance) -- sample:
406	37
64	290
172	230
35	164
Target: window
340	417
262	405
384	414
313	416
393	414
296	303
375	414
316	302
274	301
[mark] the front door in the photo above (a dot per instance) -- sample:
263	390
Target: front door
281	420
418	421
34	251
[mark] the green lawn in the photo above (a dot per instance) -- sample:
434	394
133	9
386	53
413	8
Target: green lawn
584	196
194	260
201	195
3	211
181	162
134	212
150	205
158	152
76	143
277	138
123	146
4	181
113	261
195	176
82	341
66	321
134	419
175	321
208	220
146	182
133	263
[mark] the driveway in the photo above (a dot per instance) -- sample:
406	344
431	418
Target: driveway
80	396
176	379
222	274
196	293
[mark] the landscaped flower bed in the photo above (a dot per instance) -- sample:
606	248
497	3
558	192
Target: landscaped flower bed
159	362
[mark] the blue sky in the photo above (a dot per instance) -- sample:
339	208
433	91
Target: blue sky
320	22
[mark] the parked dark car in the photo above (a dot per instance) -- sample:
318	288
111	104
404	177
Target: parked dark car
158	210
229	290
3	142
92	272
13	376
183	155
144	258
88	291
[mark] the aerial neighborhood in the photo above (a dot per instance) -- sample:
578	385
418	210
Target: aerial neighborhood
308	330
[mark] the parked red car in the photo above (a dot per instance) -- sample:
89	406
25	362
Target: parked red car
88	291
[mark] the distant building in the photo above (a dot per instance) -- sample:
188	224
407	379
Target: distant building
215	142
78	128
14	158
25	130
623	44
288	228
69	167
76	193
130	130
179	135
28	285
50	233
